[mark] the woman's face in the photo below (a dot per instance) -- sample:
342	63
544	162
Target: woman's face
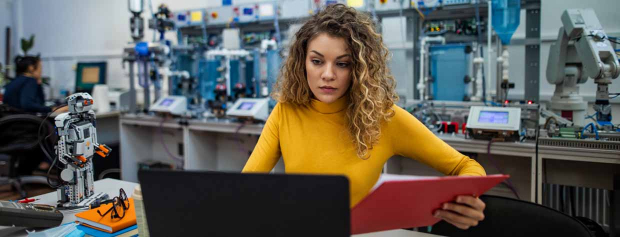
328	67
36	72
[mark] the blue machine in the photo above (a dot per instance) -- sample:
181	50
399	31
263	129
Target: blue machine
449	67
208	75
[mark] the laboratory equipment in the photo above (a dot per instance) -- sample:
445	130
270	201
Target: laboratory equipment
450	71
250	108
175	105
581	51
136	23
29	215
76	147
488	123
505	20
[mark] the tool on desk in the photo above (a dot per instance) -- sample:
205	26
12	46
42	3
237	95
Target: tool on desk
28	200
29	215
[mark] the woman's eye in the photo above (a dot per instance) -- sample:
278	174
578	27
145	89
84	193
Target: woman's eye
343	65
316	62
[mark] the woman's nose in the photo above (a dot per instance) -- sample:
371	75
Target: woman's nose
328	73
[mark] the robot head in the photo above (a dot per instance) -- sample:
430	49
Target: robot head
79	103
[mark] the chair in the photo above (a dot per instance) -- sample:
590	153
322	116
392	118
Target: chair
18	143
512	217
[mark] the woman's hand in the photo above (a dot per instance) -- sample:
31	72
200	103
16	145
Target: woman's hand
464	213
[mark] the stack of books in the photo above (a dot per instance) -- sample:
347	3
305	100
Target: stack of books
93	224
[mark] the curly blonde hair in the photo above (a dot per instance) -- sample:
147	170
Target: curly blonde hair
372	92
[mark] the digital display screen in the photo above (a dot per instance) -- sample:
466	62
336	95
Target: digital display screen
246	106
497	117
166	102
248	11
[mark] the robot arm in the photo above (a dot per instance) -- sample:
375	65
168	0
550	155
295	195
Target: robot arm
591	54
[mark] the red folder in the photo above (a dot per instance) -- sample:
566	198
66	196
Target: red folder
401	201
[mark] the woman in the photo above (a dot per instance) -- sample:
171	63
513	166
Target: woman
25	91
336	114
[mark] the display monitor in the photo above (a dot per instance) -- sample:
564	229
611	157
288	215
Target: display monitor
166	102
497	117
246	106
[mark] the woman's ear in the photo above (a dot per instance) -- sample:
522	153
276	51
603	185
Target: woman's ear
31	68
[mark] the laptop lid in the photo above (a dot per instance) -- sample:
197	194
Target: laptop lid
192	203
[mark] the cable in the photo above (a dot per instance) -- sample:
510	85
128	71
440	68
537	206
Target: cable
46	149
161	136
510	185
594	130
108	171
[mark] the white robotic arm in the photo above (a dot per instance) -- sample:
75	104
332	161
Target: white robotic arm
581	51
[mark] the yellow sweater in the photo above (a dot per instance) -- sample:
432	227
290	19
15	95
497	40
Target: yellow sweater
315	140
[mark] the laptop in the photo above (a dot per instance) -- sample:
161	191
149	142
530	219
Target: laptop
193	203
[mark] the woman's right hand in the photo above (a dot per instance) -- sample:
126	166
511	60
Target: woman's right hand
59	110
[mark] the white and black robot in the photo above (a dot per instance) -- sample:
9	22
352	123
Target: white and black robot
77	145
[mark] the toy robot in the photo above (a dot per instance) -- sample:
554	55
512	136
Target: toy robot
76	147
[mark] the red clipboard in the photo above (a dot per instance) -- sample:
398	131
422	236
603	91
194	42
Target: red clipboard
402	201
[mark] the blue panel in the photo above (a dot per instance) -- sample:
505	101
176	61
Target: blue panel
273	68
449	66
234	76
184	62
256	75
208	78
226	2
249	74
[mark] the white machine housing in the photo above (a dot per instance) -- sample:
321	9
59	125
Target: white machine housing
254	108
175	105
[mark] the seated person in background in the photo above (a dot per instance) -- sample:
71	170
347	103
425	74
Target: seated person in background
25	91
336	114
26	94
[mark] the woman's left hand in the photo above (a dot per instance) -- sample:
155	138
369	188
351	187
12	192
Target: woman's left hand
464	213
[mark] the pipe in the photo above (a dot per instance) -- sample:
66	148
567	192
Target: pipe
7	55
489	20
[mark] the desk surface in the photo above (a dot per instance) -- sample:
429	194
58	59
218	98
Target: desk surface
108	186
111	187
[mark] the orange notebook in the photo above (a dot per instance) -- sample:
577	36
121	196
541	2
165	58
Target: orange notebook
92	219
401	201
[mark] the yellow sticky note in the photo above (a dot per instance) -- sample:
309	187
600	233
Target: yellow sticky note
196	16
355	3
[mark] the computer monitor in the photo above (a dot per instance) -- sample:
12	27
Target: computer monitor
88	75
192	203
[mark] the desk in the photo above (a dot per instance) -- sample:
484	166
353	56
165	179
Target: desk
111	187
108	186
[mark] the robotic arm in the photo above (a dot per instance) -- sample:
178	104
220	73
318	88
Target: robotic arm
581	51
